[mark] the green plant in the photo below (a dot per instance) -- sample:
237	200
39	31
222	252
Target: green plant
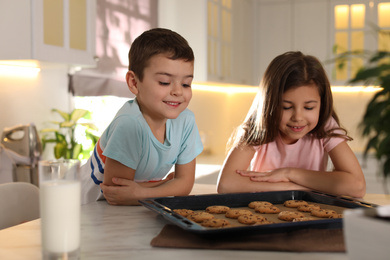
67	146
375	124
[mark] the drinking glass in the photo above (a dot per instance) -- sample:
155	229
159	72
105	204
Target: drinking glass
60	195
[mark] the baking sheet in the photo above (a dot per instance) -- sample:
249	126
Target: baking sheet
164	206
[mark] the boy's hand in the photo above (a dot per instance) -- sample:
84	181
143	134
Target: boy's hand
126	193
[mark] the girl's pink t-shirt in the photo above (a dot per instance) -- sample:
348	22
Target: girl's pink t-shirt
307	153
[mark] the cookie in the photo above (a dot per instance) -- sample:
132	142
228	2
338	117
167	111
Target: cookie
251	219
200	216
294	203
265	222
304	219
308	207
255	204
183	212
215	222
290	215
324	213
267	209
217	209
336	216
235	213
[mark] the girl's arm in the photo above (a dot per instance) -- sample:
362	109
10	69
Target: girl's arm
128	192
346	179
231	181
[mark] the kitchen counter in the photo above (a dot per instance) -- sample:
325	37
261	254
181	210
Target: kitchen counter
121	232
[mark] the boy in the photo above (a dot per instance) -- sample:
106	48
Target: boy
151	133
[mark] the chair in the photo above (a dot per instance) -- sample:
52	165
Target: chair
19	203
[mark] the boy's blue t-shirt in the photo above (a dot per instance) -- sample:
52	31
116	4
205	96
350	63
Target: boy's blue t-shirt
129	140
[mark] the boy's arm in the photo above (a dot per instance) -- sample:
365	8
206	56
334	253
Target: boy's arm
128	192
230	181
113	169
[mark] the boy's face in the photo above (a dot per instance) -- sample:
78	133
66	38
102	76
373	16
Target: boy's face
165	90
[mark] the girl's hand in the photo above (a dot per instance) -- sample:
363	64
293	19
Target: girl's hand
278	175
126	193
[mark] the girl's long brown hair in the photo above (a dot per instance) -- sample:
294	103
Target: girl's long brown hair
286	71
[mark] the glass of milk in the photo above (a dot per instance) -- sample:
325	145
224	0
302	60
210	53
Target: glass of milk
60	188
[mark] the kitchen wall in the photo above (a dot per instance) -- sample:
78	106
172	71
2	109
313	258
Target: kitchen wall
29	100
218	113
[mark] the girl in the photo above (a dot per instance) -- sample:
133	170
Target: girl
288	134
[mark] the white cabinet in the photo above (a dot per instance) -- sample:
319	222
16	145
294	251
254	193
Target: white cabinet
285	25
219	32
60	31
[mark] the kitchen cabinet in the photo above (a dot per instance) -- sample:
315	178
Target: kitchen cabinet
59	31
221	34
285	25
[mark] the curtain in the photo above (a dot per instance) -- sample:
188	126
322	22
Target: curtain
118	23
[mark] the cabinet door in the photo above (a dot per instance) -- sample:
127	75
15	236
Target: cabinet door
274	31
64	31
311	28
60	31
243	43
299	25
15	30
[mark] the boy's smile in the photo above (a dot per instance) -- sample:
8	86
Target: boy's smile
301	109
165	90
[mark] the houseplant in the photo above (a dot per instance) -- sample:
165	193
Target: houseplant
366	234
375	124
67	144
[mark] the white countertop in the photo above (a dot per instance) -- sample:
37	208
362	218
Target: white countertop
125	232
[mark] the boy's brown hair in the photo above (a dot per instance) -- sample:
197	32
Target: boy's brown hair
157	41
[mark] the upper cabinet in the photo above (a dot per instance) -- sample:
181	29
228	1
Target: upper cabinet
235	40
285	25
221	34
59	31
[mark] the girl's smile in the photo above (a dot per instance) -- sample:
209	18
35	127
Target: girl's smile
301	109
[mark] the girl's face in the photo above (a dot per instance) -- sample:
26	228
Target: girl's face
300	112
165	90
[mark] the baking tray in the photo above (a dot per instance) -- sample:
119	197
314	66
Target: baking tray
164	206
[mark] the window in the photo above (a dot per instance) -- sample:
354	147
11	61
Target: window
349	35
354	25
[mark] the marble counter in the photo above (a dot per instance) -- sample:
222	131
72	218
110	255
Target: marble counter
125	232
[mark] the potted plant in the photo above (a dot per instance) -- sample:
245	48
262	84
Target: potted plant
366	232
67	145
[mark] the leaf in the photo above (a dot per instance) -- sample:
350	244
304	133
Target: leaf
60	138
63	114
77	149
68	124
49	130
90	125
59	150
365	74
77	114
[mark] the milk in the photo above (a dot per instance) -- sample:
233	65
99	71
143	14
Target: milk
60	215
